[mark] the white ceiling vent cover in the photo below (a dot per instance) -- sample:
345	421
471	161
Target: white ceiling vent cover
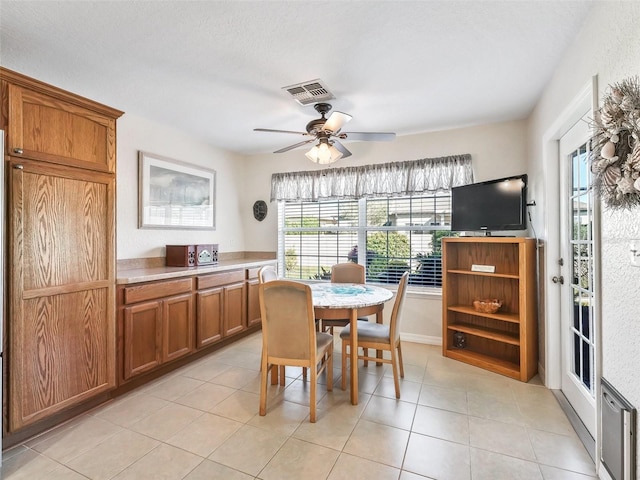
306	93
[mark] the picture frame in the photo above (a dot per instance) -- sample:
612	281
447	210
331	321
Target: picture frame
174	194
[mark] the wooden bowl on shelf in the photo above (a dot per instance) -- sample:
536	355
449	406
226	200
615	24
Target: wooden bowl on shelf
487	305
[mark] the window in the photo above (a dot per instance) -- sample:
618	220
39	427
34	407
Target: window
400	234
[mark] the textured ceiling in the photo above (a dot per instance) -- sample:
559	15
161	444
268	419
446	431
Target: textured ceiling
215	68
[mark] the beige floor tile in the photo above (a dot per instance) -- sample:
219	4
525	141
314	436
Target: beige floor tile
166	422
240	406
71	442
491	466
162	463
27	465
209	470
206	396
349	467
552	473
340	400
128	410
331	430
297	459
61	472
241	358
249	449
439	459
236	377
205	434
392	412
489	406
299	391
412	373
544	413
113	455
409	391
562	451
377	442
283	417
205	369
404	475
504	438
174	387
444	398
442	424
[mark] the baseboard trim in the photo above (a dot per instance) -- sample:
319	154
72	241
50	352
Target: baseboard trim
582	432
424	339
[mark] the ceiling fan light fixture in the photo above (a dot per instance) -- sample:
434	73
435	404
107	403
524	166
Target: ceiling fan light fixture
324	154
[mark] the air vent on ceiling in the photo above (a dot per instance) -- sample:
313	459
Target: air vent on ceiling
306	93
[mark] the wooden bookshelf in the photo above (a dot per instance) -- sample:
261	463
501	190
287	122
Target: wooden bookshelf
506	341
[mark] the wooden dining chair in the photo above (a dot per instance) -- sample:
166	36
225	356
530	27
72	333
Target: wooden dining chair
348	272
289	336
379	337
267	273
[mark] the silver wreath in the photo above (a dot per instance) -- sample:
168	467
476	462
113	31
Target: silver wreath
615	146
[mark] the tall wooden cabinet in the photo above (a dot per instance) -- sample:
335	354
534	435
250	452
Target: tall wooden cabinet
60	161
505	342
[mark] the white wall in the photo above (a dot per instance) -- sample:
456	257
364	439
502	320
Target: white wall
135	134
608	47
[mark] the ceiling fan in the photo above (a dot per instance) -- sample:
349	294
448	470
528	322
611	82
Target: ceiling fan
327	132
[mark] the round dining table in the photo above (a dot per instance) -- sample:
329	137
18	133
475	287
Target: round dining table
349	300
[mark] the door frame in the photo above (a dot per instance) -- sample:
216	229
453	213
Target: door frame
585	100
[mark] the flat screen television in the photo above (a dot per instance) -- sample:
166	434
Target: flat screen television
494	205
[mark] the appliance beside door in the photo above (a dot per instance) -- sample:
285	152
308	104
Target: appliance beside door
2	252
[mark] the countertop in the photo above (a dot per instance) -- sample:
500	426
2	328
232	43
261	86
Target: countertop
138	275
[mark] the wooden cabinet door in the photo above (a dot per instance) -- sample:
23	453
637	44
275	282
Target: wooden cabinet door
253	303
49	128
234	308
142	338
61	324
209	315
178	327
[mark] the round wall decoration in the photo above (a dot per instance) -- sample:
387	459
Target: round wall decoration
616	146
260	210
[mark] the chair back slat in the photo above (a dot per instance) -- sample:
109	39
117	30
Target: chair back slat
267	274
347	273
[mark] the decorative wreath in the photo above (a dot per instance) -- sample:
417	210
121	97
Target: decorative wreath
616	146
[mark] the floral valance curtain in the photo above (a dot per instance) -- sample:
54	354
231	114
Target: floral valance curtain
428	175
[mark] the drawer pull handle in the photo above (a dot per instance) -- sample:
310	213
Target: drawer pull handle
18	167
18	151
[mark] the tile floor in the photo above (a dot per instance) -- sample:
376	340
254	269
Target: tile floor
453	422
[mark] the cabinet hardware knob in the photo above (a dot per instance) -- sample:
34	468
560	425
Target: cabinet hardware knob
18	151
18	167
557	279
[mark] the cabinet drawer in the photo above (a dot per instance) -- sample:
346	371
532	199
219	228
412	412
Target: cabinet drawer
217	279
149	291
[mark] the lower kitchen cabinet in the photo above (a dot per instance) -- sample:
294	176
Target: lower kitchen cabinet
158	322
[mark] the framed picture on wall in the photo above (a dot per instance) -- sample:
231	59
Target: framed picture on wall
174	194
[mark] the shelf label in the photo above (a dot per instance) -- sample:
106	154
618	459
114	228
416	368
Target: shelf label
483	268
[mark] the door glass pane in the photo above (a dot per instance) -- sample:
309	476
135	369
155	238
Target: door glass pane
582	268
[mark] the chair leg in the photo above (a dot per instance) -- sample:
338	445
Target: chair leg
394	366
312	400
330	371
400	358
282	375
365	352
264	374
304	374
344	365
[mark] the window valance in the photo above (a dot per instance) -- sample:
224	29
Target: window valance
428	175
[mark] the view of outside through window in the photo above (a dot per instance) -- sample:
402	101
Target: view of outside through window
582	278
399	234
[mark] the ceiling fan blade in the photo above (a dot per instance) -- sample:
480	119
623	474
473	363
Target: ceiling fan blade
278	131
335	121
368	136
296	145
341	148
